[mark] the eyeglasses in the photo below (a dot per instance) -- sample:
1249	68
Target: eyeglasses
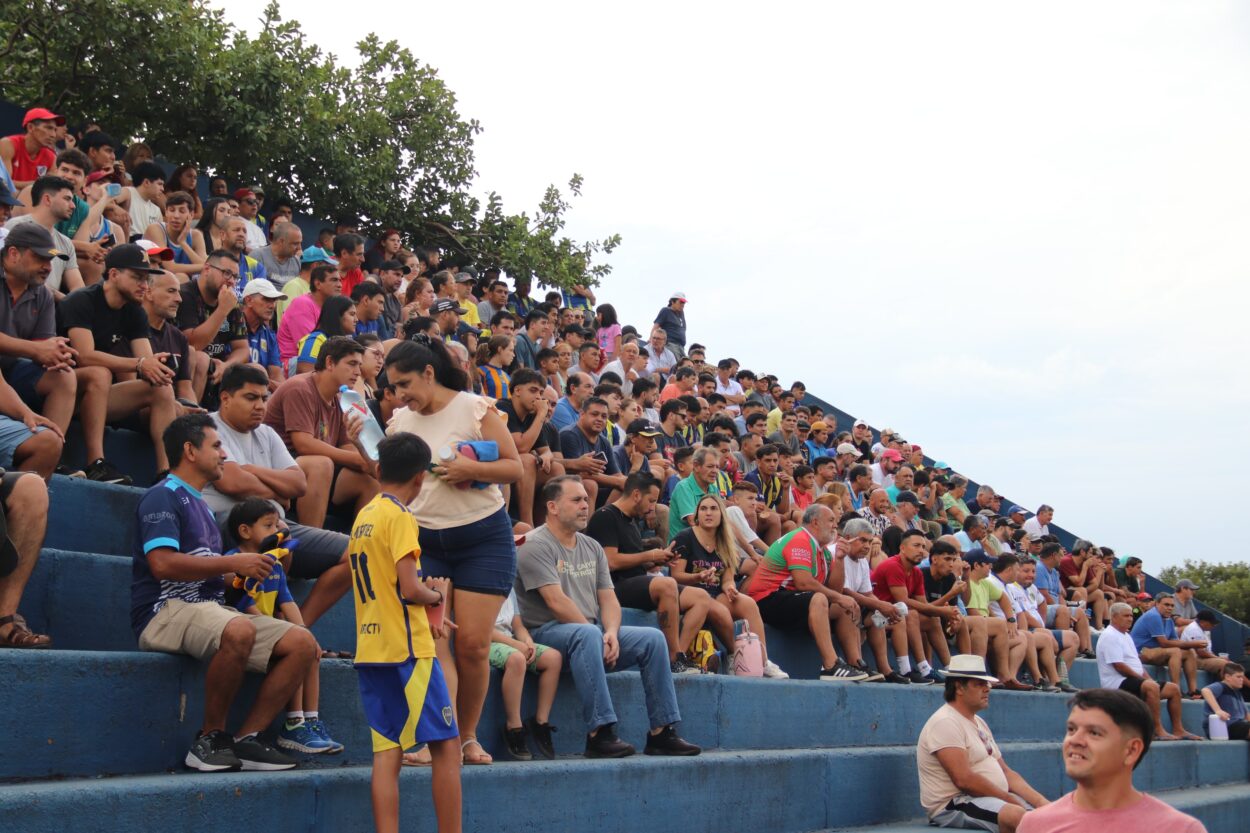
252	202
234	276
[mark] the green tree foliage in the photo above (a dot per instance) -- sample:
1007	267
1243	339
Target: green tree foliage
1225	587
383	141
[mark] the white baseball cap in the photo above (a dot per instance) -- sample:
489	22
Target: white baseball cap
262	287
677	296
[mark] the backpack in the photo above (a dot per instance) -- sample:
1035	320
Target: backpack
748	653
702	652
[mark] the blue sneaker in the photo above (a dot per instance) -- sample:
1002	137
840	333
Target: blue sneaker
304	738
320	729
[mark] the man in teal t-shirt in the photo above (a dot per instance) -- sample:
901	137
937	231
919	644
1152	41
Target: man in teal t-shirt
688	492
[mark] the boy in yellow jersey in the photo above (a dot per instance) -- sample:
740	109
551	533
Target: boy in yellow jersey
401	683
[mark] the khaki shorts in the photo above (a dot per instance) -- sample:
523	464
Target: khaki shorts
195	629
1154	656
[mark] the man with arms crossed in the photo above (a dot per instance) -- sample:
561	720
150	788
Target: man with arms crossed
964	781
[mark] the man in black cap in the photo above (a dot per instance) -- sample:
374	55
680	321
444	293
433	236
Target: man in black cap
29	346
106	324
447	313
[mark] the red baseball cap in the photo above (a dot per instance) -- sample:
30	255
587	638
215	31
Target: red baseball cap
40	114
892	454
244	193
96	176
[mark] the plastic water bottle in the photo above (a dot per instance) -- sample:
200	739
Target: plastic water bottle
447	453
372	433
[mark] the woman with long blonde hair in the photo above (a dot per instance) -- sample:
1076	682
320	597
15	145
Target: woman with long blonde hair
707	559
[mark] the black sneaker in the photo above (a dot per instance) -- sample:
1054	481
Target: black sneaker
213	752
917	678
843	673
258	755
666	742
897	678
514	739
873	676
683	666
69	471
541	733
1087	655
1049	688
102	471
606	744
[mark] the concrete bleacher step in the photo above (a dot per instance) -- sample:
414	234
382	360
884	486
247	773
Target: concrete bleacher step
46	697
1221	809
775	790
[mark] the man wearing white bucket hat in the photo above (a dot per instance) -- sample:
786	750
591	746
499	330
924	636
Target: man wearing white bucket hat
964	781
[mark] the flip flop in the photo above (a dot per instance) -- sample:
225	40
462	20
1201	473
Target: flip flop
418	758
484	759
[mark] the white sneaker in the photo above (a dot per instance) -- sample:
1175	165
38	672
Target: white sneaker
774	672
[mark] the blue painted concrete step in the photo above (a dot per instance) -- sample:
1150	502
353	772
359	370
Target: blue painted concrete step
802	790
161	697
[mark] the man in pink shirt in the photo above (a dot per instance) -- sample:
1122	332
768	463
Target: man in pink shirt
300	317
1109	733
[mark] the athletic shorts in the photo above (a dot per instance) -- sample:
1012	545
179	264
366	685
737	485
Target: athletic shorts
24	376
1051	612
786	609
1133	686
1058	635
635	592
195	628
12	434
406	704
967	812
479	557
499	653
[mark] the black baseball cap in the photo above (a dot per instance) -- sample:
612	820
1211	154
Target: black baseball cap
130	256
448	305
394	266
907	497
642	427
36	238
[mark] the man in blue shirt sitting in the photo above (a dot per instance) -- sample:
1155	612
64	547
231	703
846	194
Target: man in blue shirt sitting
587	453
579	387
177	605
1058	614
1157	643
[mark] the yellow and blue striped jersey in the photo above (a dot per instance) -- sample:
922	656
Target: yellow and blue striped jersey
388	631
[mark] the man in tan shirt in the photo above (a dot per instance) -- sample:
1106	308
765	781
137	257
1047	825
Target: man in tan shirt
964	781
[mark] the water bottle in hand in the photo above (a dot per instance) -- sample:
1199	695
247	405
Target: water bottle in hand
350	401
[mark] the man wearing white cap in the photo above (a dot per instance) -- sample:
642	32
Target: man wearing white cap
964	781
672	320
260	299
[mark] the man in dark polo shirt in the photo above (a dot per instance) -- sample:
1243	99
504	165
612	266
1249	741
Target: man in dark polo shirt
34	360
536	439
211	320
106	324
587	453
629	560
161	305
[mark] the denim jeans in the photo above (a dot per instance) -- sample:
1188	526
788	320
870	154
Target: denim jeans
582	647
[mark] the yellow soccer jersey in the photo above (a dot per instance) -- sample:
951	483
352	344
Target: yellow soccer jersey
388	631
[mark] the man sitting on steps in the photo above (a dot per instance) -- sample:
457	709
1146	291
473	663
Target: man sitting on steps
177	596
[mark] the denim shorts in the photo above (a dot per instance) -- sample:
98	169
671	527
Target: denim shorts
12	434
479	557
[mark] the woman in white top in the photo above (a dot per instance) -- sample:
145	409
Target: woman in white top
466	534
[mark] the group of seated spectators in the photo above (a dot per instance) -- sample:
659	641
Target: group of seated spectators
704	491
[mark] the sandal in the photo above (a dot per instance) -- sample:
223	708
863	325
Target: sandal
421	757
20	636
482	759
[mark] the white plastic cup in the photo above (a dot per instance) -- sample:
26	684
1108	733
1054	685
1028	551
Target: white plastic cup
1223	655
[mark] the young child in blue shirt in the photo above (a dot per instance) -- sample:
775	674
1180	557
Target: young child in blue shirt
254	524
1224	699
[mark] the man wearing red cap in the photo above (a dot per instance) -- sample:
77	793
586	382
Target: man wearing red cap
33	154
884	469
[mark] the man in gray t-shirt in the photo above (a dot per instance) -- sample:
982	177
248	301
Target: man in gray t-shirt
564	593
259	465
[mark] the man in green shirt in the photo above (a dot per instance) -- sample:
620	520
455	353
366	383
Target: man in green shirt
688	492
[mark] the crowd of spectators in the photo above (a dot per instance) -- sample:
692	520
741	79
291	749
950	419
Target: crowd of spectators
639	473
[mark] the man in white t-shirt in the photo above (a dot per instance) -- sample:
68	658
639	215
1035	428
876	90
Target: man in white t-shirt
1199	630
1040	651
149	185
729	387
1120	667
956	743
1039	524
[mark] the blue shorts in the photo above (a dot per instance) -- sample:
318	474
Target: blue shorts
24	375
406	704
479	557
1058	635
12	434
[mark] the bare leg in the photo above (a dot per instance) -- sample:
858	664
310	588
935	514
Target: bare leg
225	672
326	592
40	454
28	502
59	389
818	625
525	488
384	790
294	653
744	607
848	632
475	616
445	785
513	683
663	590
549	665
695	605
94	384
312	507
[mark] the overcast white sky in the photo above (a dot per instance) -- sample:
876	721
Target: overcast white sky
1017	234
